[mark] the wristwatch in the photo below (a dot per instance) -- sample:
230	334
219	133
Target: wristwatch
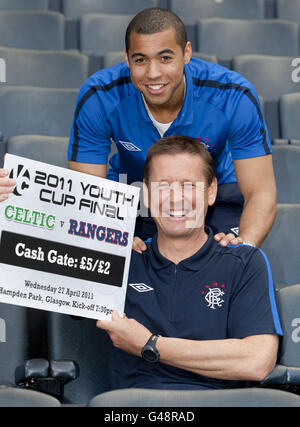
149	351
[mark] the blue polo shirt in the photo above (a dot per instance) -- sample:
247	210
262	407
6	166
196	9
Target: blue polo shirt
221	109
216	294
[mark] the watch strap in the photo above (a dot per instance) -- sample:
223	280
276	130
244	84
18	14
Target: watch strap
152	340
151	346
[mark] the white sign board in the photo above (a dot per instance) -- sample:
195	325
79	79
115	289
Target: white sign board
66	240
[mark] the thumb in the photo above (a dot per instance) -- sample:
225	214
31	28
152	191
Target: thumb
115	315
104	324
138	245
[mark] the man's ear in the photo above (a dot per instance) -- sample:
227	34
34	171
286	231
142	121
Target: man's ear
188	51
145	194
126	57
212	192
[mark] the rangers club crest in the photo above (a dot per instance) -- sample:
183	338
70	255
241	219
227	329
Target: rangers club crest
214	295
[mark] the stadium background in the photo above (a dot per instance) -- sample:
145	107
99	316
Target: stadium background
47	49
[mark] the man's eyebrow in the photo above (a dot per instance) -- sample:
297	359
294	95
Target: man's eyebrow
166	51
138	54
162	52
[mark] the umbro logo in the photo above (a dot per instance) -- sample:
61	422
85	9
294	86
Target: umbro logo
140	287
235	230
129	146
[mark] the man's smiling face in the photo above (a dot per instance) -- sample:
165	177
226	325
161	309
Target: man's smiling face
178	195
156	65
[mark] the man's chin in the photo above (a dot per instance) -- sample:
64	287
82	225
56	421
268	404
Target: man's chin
182	231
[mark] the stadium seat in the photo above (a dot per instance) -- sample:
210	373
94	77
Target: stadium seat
282	245
112	58
271	77
14	342
47	149
80	340
227	38
74	9
101	33
32	110
288	9
17	397
286	163
248	397
24	4
53	69
205	56
288	305
289	116
32	30
190	11
287	370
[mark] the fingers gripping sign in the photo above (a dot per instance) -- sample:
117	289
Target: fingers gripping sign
126	334
6	184
225	239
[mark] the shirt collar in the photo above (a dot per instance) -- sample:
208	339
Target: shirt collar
158	261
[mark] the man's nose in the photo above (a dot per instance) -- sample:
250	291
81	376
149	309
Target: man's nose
153	70
177	193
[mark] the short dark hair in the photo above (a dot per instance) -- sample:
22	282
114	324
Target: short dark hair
155	20
176	144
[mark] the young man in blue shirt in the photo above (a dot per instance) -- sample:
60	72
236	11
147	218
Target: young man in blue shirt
198	315
160	91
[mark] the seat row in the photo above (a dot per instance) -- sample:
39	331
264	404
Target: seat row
99	32
188	9
272	76
74	341
135	398
47	111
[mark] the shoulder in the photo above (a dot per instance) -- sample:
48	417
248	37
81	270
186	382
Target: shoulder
220	86
108	78
215	75
249	256
111	84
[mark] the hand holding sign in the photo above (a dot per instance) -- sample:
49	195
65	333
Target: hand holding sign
6	184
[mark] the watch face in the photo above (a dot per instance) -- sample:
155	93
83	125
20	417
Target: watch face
149	355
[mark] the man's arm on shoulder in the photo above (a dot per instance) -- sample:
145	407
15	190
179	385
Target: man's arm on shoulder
92	169
255	177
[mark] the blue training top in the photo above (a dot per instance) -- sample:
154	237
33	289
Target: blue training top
216	294
221	109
